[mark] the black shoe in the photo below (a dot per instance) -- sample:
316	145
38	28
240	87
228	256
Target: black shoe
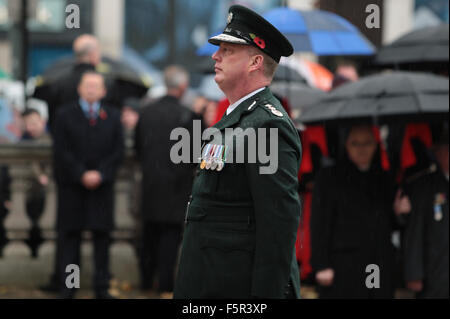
103	294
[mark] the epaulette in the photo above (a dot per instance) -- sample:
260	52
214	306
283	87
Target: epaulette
271	109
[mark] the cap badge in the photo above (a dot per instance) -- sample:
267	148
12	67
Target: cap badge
230	17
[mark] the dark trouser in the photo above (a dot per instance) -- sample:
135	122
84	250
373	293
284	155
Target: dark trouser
68	246
160	243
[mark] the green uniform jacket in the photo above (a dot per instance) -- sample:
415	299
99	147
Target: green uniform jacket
241	225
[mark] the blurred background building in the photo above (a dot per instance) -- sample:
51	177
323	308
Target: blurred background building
131	29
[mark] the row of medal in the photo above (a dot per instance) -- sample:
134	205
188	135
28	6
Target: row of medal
213	157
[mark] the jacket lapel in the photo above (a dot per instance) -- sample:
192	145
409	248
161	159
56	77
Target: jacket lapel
80	113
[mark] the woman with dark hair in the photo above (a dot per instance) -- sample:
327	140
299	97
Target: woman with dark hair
352	220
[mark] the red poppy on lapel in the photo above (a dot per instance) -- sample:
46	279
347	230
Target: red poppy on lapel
103	115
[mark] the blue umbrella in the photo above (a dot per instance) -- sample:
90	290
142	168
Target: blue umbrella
320	32
317	31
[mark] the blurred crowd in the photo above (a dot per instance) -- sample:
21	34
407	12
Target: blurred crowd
360	208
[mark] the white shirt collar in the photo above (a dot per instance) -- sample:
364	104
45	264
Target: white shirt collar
236	104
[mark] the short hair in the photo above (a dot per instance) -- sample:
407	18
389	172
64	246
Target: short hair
84	51
30	111
83	45
91	72
175	76
269	64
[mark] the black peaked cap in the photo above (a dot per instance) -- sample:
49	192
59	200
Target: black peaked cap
247	27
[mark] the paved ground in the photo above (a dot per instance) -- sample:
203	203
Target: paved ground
21	275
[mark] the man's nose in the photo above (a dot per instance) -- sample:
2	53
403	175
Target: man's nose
215	55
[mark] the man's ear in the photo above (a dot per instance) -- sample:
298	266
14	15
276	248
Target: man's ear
256	62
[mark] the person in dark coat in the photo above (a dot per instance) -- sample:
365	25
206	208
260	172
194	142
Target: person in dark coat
243	214
88	150
165	185
63	92
426	239
352	220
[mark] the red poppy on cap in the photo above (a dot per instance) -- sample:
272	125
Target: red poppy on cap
259	42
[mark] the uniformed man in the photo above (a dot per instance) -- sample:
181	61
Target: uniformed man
241	221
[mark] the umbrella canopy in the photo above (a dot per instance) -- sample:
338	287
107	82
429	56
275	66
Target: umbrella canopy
122	80
320	32
299	95
315	74
424	45
391	96
285	73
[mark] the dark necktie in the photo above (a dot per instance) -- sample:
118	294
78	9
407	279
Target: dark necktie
92	117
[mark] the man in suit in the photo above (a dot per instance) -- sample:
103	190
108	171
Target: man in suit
165	185
242	218
87	52
87	152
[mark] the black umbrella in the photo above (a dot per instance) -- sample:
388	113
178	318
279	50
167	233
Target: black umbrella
427	45
389	96
285	73
299	95
122	81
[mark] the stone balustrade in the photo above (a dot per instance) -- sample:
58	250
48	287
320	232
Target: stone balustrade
19	226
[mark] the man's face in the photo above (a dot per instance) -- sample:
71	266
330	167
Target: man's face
34	125
232	61
92	88
349	72
361	146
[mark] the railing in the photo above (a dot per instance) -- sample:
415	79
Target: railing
34	230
